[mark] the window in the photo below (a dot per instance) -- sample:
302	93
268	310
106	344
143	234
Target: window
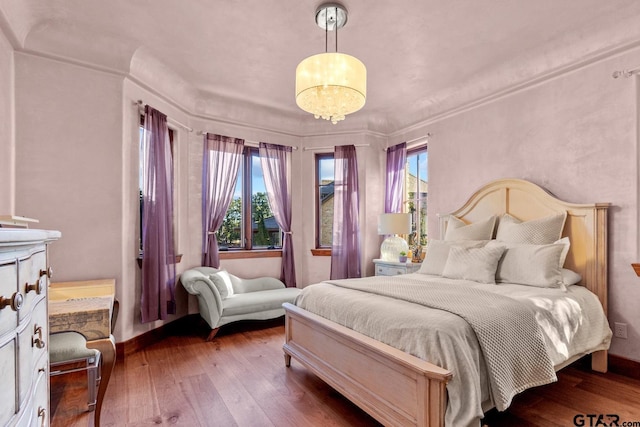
141	184
324	200
416	184
249	222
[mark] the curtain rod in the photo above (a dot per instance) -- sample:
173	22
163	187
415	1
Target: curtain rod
250	143
141	105
414	140
625	73
331	146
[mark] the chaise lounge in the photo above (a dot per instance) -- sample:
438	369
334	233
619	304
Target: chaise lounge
224	298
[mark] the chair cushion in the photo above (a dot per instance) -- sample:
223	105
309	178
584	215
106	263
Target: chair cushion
253	302
69	346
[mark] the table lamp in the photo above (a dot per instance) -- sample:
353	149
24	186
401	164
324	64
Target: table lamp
393	224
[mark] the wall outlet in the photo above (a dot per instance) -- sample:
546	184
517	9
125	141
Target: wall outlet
620	330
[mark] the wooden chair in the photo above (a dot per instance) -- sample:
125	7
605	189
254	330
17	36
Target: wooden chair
68	353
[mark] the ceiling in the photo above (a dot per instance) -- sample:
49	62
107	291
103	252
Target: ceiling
423	57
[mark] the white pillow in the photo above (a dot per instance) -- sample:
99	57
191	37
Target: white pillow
532	265
476	264
222	282
460	230
542	231
565	251
438	252
570	277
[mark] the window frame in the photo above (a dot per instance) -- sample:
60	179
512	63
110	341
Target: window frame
246	234
319	248
416	151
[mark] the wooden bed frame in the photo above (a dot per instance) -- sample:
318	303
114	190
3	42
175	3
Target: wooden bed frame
399	389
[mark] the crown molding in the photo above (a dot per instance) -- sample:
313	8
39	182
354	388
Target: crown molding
296	131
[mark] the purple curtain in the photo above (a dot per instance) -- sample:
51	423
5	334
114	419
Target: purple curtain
221	159
158	256
276	167
345	252
396	161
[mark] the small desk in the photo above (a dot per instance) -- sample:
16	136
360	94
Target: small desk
86	307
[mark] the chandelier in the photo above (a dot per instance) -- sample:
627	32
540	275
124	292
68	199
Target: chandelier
331	85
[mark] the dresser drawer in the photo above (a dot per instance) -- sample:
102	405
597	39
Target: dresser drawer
40	402
33	346
33	280
388	270
8	404
34	412
8	289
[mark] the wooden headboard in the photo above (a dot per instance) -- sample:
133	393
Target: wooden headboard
586	224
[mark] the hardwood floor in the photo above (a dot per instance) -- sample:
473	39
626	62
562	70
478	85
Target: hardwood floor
239	379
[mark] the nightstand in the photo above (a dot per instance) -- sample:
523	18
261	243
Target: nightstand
392	268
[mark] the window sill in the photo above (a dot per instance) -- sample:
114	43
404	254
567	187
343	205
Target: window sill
244	254
321	252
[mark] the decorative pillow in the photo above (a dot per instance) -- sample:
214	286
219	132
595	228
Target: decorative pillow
438	252
222	282
460	230
570	277
532	265
540	231
476	264
565	250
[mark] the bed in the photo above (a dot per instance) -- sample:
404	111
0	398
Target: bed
399	388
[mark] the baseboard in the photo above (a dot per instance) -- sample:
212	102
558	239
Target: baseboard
627	367
190	324
139	342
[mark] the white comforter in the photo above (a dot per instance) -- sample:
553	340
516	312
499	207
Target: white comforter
572	323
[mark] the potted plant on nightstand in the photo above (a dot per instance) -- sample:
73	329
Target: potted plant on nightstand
402	257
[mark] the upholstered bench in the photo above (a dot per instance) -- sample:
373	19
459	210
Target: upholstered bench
224	298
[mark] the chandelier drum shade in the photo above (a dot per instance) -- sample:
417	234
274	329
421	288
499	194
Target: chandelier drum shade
331	84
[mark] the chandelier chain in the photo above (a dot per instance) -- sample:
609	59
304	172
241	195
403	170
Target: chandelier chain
336	9
326	33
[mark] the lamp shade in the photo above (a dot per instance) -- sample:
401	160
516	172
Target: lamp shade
331	85
393	246
394	223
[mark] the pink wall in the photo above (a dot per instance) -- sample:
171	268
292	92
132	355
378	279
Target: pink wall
68	162
6	127
576	136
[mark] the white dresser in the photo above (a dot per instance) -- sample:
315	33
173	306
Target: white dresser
391	268
24	327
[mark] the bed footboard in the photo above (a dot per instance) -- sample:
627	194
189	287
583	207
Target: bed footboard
394	387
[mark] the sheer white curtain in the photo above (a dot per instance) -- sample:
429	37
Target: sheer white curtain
221	159
276	167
